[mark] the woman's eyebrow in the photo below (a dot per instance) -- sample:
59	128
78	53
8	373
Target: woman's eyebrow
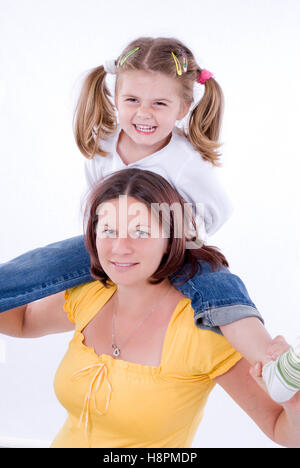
137	225
105	224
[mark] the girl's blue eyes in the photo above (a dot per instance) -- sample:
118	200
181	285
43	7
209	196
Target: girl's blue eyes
135	100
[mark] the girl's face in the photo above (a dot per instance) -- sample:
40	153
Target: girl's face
129	241
148	104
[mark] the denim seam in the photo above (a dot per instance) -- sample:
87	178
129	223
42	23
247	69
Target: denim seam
215	316
233	301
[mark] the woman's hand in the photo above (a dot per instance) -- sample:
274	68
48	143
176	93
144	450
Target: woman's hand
256	371
277	346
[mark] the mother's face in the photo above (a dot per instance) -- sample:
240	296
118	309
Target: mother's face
130	243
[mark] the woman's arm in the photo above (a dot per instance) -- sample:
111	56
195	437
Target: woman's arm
38	318
11	321
250	338
280	423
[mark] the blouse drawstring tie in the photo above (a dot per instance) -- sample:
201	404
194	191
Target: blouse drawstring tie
101	372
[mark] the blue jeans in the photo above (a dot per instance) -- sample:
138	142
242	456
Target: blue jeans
218	298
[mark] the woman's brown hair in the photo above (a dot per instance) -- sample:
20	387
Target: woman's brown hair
152	190
95	116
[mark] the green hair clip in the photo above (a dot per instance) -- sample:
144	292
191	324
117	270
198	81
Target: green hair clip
128	55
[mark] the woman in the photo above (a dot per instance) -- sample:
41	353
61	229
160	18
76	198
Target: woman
138	372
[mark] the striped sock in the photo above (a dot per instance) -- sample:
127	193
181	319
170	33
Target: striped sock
282	377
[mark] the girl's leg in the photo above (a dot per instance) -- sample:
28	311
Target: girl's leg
218	298
44	271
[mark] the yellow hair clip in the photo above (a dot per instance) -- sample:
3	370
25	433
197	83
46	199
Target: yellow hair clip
177	63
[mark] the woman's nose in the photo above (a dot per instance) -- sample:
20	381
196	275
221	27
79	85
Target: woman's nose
122	245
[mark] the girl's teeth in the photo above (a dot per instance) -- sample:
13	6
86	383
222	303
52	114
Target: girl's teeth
145	129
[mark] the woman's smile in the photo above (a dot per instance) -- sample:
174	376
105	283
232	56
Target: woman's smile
123	266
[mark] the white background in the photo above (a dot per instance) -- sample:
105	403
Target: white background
253	49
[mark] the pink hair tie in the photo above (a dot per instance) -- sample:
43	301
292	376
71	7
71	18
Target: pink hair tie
204	76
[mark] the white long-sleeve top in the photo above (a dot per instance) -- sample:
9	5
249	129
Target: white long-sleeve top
194	178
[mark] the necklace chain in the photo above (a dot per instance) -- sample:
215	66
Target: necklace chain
116	349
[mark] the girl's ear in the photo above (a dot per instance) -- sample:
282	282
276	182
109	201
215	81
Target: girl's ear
184	109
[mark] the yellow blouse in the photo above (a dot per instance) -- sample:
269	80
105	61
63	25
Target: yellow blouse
115	403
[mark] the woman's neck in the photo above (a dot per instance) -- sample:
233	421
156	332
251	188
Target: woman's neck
140	297
130	152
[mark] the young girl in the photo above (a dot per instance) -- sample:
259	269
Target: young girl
155	80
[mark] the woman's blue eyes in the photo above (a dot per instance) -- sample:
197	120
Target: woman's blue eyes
144	234
111	231
107	231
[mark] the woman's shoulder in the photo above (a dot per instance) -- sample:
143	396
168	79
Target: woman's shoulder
80	299
203	351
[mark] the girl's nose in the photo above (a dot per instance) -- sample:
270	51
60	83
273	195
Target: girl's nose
144	111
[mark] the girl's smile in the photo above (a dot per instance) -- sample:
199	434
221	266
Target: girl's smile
145	129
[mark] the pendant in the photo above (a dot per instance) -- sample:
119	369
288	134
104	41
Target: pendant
116	351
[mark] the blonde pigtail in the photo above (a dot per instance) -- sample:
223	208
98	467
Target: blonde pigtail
94	115
205	122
